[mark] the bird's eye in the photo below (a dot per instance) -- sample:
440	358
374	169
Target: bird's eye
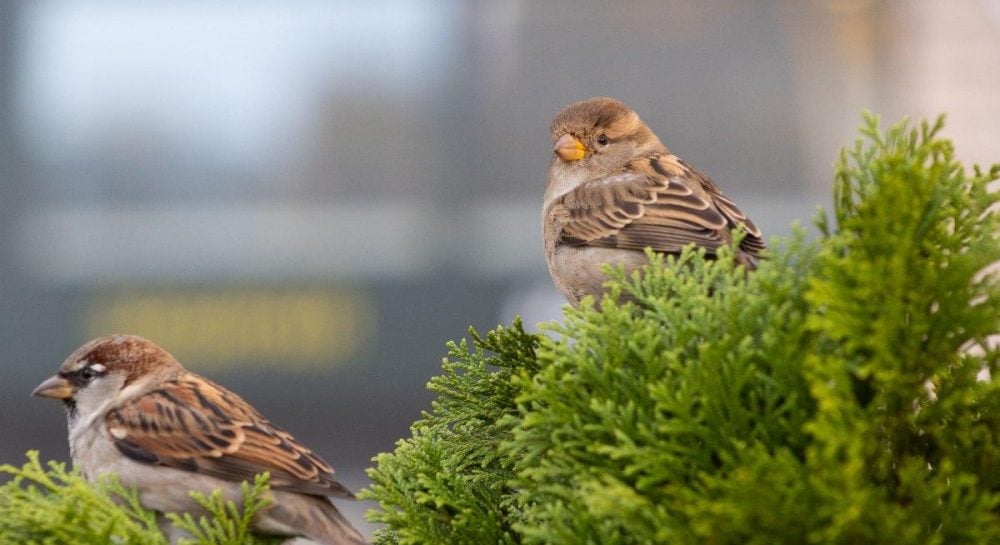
88	373
602	139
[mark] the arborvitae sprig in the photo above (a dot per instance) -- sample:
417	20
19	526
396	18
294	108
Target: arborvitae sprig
659	421
448	483
227	523
900	297
49	504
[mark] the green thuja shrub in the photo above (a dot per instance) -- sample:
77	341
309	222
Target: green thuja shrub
49	504
829	397
450	478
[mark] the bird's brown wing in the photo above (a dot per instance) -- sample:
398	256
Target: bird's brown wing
661	203
753	243
193	424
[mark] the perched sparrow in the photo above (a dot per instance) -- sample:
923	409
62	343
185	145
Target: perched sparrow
615	189
136	412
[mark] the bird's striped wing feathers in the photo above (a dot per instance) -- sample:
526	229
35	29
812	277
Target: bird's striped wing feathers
601	208
193	424
661	203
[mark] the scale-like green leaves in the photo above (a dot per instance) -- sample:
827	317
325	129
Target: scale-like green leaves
53	506
829	397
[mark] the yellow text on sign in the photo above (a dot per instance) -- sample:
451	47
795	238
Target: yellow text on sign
307	329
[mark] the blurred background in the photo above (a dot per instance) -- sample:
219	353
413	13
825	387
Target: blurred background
304	200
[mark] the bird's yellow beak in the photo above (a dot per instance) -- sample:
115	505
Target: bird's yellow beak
54	387
568	148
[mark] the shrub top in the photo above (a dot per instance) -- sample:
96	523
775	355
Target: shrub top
829	397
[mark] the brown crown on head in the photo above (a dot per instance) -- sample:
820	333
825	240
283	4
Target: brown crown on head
598	111
130	355
603	113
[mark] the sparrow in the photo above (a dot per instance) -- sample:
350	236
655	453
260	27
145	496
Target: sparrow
615	189
135	411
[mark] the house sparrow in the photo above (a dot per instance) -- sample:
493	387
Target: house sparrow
615	189
134	411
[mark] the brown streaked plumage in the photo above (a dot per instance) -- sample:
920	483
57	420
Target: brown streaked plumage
615	189
191	423
136	412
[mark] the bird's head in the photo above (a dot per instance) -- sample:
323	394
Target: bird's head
101	370
601	135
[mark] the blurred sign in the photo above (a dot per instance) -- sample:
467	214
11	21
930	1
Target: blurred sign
309	328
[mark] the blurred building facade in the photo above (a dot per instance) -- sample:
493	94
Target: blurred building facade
305	200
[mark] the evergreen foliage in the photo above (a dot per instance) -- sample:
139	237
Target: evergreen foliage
450	477
49	504
829	397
